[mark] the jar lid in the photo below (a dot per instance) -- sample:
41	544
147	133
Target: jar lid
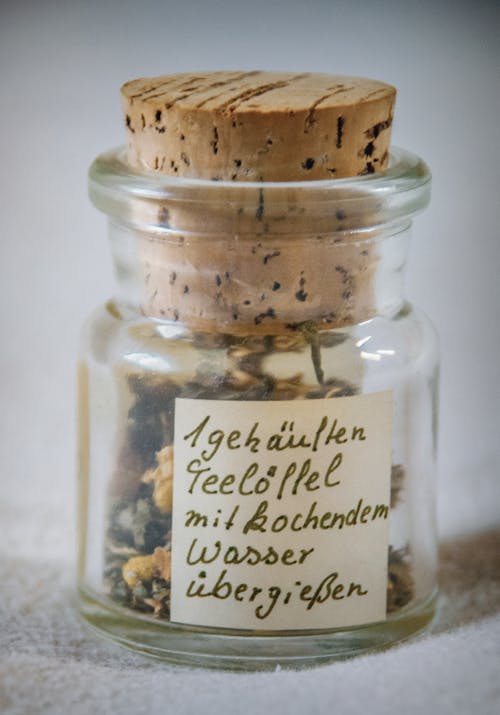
258	125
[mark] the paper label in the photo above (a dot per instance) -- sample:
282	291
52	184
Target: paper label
281	512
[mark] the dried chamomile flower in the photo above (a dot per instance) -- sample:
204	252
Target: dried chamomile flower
332	388
144	582
138	569
159	598
162	563
162	478
246	359
227	385
158	605
241	380
289	343
292	388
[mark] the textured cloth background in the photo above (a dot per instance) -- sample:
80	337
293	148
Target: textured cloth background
61	64
51	664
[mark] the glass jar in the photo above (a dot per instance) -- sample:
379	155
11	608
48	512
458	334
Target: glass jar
257	420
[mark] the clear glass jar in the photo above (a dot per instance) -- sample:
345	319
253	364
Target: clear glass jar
257	411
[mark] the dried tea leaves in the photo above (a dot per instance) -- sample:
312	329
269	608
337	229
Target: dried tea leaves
138	549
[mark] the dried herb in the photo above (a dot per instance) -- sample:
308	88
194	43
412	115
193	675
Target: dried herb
400	586
138	550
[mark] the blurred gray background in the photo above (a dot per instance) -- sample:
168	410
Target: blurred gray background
61	66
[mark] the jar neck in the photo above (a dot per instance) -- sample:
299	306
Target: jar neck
260	257
257	284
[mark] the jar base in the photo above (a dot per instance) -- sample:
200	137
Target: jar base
201	648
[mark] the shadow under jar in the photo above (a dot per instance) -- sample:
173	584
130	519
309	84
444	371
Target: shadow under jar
257	420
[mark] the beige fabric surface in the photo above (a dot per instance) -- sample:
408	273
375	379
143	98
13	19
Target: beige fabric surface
51	663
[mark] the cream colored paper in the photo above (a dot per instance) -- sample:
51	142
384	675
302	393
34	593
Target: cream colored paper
281	512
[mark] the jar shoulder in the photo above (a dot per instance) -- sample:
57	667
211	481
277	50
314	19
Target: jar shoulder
405	336
406	340
101	330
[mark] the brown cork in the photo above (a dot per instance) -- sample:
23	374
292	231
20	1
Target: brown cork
258	126
295	260
265	282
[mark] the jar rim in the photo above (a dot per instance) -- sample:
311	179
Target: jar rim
133	195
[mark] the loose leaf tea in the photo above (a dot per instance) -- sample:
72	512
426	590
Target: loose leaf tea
138	559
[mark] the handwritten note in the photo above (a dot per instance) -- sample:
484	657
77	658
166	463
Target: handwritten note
281	512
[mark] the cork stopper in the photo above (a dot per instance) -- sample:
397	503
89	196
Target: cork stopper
255	257
258	126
